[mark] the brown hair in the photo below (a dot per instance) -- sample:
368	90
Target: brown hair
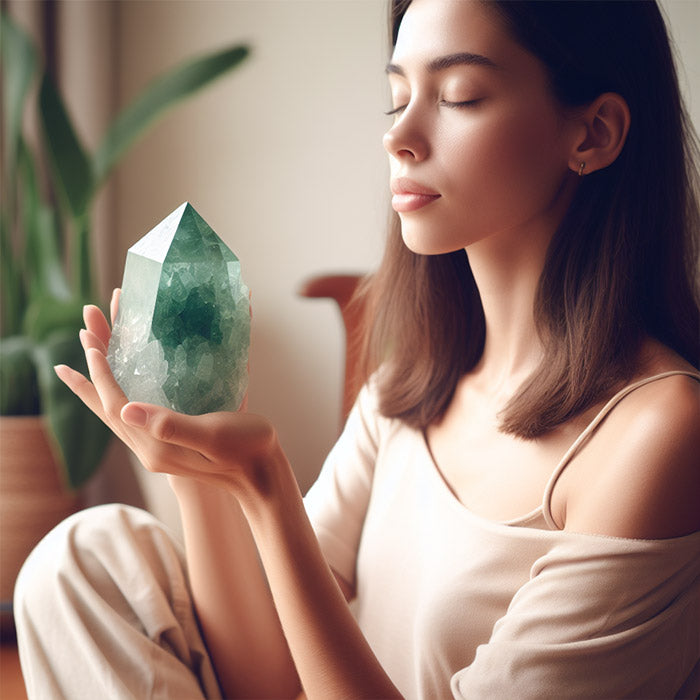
622	264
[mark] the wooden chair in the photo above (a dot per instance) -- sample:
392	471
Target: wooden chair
341	288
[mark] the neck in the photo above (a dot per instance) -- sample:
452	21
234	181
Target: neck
507	268
507	271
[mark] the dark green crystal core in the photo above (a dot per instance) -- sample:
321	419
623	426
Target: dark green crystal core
182	335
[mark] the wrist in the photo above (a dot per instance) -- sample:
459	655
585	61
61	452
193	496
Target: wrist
189	490
270	489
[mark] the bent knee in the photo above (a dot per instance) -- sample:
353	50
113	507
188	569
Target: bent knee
76	551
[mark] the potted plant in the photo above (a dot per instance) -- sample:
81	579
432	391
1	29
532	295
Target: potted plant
47	276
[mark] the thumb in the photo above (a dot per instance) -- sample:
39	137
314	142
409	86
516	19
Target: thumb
213	435
205	434
163	424
192	432
135	414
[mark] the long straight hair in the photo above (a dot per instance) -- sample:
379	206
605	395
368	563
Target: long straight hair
623	263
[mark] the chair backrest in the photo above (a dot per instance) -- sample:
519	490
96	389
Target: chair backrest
341	289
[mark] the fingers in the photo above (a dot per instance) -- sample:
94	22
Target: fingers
90	340
151	454
106	385
114	304
89	395
96	323
82	388
104	397
154	456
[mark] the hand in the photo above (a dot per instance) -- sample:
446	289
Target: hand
236	451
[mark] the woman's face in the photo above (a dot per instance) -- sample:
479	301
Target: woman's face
479	146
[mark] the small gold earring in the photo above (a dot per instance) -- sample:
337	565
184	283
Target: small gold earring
581	167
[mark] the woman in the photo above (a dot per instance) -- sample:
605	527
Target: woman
512	505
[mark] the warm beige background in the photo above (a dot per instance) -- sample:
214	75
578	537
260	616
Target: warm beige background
283	158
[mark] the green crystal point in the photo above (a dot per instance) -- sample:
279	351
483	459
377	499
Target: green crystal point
182	335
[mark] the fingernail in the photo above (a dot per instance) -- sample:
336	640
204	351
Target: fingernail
134	415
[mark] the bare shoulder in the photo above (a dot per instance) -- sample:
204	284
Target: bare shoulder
639	476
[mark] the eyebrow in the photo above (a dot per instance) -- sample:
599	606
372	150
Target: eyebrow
444	62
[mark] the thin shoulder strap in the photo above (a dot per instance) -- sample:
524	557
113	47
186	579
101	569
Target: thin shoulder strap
590	428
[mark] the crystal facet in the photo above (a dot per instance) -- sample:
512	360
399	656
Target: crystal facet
182	334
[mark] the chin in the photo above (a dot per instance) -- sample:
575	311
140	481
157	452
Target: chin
422	242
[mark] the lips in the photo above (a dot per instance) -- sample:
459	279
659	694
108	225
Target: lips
409	195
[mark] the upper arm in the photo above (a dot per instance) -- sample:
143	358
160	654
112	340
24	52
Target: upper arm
599	617
640	476
337	502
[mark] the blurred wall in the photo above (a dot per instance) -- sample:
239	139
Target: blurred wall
683	19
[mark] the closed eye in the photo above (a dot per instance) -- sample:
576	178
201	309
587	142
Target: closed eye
444	103
456	105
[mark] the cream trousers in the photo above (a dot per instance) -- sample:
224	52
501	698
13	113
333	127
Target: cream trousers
103	612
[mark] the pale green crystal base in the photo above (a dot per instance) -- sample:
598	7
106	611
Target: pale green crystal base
182	334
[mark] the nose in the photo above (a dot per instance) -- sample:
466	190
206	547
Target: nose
405	139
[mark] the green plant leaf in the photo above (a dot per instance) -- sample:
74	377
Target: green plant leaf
12	299
46	314
19	393
79	437
83	281
19	64
43	263
163	93
70	164
19	60
50	278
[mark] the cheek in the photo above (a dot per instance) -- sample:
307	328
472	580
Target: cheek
532	149
513	152
511	163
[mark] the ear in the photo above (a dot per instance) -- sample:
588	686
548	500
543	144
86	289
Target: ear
603	130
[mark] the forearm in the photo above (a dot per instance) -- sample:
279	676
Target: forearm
330	652
231	596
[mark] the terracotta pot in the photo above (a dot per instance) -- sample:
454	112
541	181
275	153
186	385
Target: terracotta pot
33	497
